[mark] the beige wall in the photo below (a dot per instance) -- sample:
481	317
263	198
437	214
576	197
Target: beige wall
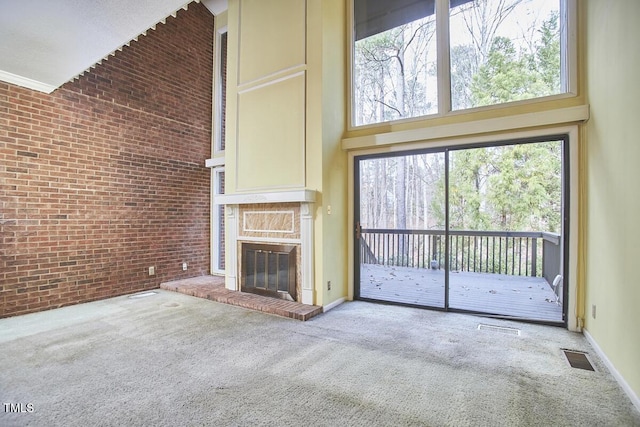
613	176
286	116
266	91
334	159
303	89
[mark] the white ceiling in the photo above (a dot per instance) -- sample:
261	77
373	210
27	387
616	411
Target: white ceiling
45	43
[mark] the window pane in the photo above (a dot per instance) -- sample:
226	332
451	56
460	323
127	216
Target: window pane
395	72
219	221
223	90
504	51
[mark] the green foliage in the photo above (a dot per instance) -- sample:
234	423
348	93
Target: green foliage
508	188
548	54
516	187
525	191
505	77
509	75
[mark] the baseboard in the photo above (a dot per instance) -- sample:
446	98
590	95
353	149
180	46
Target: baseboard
627	389
333	304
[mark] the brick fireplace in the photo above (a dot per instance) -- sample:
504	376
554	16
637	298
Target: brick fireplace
263	227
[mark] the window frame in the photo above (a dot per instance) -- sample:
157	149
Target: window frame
217	163
217	213
569	33
218	109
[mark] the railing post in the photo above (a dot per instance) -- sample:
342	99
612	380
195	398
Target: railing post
534	257
434	248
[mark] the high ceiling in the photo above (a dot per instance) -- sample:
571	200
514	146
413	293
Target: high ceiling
45	43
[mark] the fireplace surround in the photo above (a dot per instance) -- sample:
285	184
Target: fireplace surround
283	219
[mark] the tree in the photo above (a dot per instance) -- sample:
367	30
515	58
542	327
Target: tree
391	70
548	54
524	192
492	62
515	187
505	77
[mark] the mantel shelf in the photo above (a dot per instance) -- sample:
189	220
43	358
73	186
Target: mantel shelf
300	196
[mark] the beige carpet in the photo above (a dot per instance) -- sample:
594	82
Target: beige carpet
174	360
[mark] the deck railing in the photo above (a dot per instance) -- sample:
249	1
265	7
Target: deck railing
520	253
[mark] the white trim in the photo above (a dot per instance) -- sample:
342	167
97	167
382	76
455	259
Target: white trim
273	197
333	304
510	123
15	79
572	46
635	399
573	322
273	78
269	188
306	234
231	248
215	162
243	238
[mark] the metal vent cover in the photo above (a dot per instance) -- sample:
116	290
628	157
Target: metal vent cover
501	329
578	359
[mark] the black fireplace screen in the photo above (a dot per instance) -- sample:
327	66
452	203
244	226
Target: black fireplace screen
269	270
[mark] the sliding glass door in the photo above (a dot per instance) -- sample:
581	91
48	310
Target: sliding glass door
400	228
475	229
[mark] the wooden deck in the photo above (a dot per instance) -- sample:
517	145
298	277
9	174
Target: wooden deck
528	298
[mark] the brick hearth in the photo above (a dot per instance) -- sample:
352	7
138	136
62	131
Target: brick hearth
212	288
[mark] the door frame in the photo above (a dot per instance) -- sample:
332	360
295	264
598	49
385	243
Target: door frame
573	311
355	202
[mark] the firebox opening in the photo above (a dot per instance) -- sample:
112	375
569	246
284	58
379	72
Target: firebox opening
269	270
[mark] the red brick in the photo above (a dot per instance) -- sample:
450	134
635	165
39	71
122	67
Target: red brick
105	176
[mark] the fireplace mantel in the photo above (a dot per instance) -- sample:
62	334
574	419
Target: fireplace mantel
264	203
293	196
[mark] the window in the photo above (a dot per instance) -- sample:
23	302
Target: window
219	139
416	58
394	61
221	93
217	222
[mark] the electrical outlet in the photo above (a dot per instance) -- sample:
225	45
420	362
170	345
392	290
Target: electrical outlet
329	285
184	266
152	271
593	311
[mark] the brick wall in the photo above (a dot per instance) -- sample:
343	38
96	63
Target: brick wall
105	177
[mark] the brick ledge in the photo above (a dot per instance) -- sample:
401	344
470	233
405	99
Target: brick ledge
212	288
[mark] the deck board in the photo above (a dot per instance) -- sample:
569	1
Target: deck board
523	297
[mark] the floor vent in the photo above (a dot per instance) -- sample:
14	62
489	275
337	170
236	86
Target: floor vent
578	359
142	295
501	329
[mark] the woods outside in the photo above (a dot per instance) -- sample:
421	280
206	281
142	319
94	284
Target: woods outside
500	51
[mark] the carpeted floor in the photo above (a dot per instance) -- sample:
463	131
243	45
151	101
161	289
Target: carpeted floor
175	360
